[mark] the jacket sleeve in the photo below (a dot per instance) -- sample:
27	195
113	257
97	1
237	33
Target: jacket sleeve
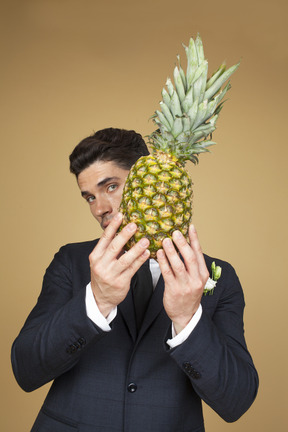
57	330
215	356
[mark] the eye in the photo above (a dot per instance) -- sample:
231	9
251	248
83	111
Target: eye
112	187
90	199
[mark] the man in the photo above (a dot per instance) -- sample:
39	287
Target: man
111	371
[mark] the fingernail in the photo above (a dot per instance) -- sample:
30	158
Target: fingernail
177	234
167	242
131	227
146	253
144	242
118	216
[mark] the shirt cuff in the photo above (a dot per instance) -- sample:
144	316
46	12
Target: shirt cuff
179	338
94	313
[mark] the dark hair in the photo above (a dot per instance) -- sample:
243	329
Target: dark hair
121	146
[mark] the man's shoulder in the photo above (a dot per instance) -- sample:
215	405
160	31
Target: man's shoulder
75	252
76	248
219	262
228	272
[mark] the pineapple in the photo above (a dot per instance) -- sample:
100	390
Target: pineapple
158	192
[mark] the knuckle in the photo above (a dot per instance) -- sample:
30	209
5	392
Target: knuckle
193	259
95	270
116	245
199	285
123	265
113	248
194	285
106	235
93	257
180	268
206	275
167	271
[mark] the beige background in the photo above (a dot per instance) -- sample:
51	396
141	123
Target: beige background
70	67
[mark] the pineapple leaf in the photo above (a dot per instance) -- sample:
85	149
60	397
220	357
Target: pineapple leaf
190	107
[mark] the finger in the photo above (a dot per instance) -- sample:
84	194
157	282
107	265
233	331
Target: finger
132	260
177	265
195	245
117	244
184	247
189	255
165	268
128	258
110	244
109	233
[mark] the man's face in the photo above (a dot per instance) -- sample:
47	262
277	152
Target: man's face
101	185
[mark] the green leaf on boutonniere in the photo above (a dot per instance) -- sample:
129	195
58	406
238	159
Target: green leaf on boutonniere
211	283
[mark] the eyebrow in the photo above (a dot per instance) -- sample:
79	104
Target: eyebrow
101	183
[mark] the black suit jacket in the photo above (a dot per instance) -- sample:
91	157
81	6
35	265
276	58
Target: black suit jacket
121	381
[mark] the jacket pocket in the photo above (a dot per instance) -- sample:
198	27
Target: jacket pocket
49	423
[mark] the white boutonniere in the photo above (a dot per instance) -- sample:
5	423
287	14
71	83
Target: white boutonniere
211	283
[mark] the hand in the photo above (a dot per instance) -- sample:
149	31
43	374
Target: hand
111	268
184	281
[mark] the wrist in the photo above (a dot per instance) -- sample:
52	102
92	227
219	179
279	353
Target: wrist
104	307
178	327
181	323
181	337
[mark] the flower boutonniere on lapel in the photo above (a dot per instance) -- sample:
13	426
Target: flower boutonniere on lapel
211	283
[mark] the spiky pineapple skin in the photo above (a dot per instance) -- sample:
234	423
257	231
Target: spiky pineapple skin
157	196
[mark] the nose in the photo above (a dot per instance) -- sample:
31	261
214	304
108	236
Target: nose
101	208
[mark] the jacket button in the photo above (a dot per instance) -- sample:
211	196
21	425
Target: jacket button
187	366
195	374
132	387
82	341
191	371
71	349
